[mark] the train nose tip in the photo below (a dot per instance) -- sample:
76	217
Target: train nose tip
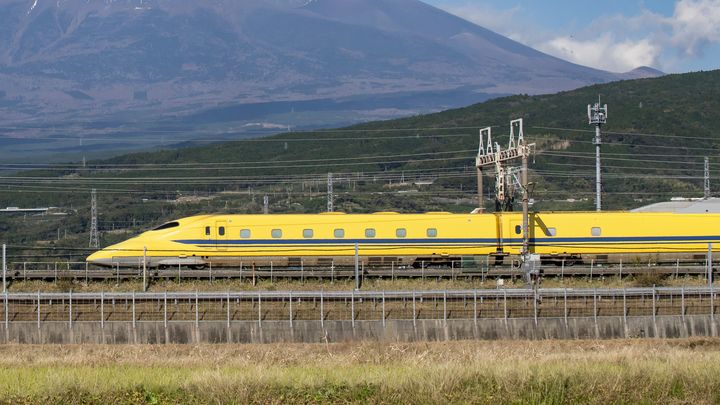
97	259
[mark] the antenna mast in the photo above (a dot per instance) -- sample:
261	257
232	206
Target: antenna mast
597	115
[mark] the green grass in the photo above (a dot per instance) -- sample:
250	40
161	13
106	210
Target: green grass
680	371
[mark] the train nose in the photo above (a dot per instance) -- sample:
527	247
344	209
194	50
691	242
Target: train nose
100	258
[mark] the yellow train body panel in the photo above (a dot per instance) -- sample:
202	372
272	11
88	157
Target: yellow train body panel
195	240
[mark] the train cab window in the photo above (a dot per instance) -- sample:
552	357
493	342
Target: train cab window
276	233
221	231
339	233
307	233
518	229
167	226
207	231
432	233
244	233
596	231
401	232
370	232
551	232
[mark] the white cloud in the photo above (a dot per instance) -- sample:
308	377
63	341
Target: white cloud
604	52
612	42
696	23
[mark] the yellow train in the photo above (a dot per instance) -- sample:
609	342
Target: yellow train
412	239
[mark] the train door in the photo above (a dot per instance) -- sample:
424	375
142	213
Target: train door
221	232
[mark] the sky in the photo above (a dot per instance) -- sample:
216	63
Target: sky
616	35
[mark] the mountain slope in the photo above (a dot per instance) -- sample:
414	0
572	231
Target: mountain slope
90	60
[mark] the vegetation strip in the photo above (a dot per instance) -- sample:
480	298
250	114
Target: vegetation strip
480	372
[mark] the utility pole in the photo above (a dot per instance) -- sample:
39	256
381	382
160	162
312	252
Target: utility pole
94	240
597	115
706	187
330	206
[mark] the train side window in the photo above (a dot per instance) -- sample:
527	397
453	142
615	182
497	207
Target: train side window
276	233
339	233
518	229
401	232
370	232
551	232
221	231
307	233
596	231
244	233
432	233
207	231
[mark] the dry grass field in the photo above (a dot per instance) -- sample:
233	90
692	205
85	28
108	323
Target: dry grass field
635	371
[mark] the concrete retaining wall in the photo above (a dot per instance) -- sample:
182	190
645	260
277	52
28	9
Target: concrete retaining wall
340	331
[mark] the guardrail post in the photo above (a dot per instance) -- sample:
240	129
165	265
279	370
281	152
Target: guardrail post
414	312
653	303
565	311
677	268
55	272
210	270
102	309
595	305
475	315
352	307
621	267
535	308
445	307
322	311
197	310
86	272
165	319
38	309
592	264
383	308
291	313
392	270
624	306
133	309
505	311
712	304
259	310
228	310
682	300
70	309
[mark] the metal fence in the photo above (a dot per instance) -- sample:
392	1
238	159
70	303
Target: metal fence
355	306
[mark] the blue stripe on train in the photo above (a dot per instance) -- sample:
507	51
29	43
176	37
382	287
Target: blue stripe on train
449	241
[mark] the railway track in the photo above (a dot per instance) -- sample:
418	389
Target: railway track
84	271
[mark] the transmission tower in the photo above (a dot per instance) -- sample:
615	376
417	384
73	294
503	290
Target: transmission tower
266	204
94	240
330	206
597	115
706	193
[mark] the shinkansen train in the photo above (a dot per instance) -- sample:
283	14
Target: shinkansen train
433	238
